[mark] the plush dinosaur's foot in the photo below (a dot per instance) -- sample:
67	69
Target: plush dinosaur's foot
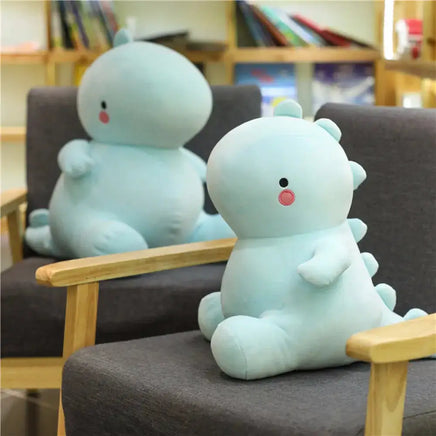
39	218
210	314
251	348
39	239
109	237
209	227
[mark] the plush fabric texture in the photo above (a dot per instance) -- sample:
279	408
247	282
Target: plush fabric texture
397	148
32	316
296	286
169	385
232	105
134	185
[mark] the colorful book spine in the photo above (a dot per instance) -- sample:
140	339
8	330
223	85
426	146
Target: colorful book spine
278	36
108	9
104	21
331	39
276	20
310	34
85	15
308	37
252	24
55	26
72	26
98	26
66	37
80	26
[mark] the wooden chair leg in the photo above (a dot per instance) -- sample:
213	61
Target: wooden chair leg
15	242
80	326
387	391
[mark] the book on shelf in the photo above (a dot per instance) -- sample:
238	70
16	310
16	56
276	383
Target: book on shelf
67	42
82	24
108	13
256	29
56	27
72	26
276	82
279	21
351	83
265	26
331	37
85	18
98	25
278	37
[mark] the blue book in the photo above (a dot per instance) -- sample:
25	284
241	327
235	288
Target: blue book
260	35
82	32
103	20
276	82
351	83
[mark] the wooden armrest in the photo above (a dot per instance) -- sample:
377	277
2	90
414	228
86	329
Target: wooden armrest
400	342
95	269
11	200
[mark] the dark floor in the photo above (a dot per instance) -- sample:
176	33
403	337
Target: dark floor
32	415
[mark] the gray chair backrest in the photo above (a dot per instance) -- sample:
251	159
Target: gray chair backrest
397	148
52	121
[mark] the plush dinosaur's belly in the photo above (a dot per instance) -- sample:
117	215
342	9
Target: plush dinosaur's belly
262	275
157	192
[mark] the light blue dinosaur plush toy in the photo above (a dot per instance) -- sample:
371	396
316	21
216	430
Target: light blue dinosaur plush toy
133	185
296	286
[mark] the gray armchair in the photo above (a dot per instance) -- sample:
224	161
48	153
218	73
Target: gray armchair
170	385
32	316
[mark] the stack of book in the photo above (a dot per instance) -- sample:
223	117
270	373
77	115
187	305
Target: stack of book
83	24
266	26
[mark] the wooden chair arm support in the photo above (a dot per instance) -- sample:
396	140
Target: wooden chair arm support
11	200
96	269
400	342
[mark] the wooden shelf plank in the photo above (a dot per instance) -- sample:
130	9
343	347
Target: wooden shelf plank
12	134
65	56
37	57
304	54
71	56
425	69
255	54
203	55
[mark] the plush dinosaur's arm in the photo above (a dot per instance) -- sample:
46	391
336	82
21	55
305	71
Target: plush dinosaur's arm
330	259
74	159
198	163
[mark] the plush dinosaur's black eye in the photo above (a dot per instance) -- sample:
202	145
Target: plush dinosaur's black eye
283	182
103	105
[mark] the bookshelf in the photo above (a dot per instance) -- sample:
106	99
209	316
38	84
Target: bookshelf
420	68
237	54
297	55
231	55
402	76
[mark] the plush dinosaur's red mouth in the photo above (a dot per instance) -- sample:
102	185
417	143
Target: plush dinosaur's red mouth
103	117
286	197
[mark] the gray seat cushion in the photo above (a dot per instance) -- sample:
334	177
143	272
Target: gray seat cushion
32	316
170	385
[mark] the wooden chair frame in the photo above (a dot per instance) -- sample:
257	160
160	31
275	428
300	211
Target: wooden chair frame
388	349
